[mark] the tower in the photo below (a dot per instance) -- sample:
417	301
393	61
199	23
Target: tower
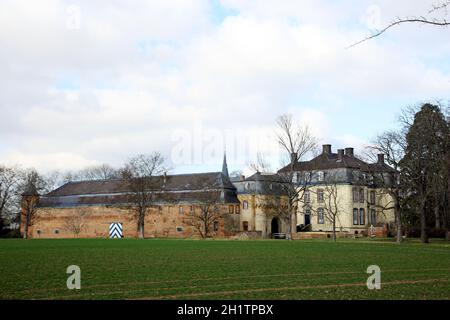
225	166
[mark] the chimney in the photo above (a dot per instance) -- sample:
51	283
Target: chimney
326	148
381	159
165	177
294	158
340	154
349	152
242	178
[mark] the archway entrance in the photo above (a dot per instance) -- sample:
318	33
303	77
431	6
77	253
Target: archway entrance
275	226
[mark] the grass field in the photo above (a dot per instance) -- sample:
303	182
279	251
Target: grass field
188	269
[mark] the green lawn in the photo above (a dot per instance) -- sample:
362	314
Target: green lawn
189	269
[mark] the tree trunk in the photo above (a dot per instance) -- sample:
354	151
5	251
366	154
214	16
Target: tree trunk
26	225
398	219
334	230
423	225
141	230
437	217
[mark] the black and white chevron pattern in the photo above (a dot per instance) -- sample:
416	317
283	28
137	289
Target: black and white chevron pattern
115	230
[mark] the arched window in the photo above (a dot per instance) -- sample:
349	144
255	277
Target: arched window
362	214
355	216
245	205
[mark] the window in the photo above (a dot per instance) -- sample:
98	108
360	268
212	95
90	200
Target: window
355	216
361	195
307	196
231	209
179	229
39	232
320	216
180	210
56	231
362	214
320	197
307	176
238	210
245	205
216	226
191	209
321	176
373	217
245	225
372	197
355	195
271	186
247	186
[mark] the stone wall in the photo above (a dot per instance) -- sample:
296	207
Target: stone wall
93	222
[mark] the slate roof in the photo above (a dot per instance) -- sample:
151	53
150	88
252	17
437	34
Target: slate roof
175	188
265	177
327	161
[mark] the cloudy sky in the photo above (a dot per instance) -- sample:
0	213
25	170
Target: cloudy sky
87	82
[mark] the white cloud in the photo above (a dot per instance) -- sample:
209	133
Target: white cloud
141	70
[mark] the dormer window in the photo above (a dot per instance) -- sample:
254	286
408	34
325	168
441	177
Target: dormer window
321	176
307	176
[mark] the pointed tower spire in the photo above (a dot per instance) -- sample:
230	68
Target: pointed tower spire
225	166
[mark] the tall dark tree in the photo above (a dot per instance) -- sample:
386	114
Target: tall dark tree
425	160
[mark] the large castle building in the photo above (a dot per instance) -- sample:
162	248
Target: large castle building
253	206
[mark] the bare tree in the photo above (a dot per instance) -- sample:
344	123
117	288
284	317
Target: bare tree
439	22
9	183
100	172
75	222
205	215
207	212
143	177
392	145
297	142
260	165
32	184
331	204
